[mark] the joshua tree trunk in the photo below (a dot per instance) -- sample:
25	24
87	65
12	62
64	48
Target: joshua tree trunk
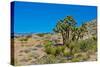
65	37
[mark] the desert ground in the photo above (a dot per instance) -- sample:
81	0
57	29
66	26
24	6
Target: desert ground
32	50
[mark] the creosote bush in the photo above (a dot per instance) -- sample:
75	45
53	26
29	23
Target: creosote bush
66	53
60	49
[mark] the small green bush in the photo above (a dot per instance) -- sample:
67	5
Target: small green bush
66	53
75	47
50	50
48	44
88	44
83	46
53	51
51	59
60	49
75	60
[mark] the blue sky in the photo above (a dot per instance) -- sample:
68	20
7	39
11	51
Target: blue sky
42	17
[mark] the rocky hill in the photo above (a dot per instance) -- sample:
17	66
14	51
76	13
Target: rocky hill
92	27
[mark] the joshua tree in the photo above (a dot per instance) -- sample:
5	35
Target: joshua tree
70	32
65	28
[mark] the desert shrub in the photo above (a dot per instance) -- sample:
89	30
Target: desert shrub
84	45
92	49
48	43
23	40
88	44
75	60
51	59
60	49
74	47
75	50
63	48
93	46
54	50
66	53
50	50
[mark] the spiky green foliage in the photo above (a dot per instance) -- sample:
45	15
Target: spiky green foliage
65	28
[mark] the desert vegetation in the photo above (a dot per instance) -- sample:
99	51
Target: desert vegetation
68	43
